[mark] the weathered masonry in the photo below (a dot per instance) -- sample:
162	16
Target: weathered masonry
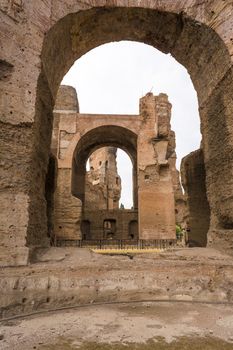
39	42
102	218
150	143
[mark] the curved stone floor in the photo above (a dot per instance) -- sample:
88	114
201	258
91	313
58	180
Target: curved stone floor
144	326
68	277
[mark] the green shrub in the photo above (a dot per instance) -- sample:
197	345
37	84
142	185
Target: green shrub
179	233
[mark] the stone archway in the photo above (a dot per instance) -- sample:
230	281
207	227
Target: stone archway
102	136
199	49
96	138
148	140
199	36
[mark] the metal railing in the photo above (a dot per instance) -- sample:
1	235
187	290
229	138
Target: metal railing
118	243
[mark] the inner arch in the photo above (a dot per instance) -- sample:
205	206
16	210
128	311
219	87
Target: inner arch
103	136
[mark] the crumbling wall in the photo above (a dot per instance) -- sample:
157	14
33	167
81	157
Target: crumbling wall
155	167
155	193
155	171
66	100
181	212
103	183
194	182
111	224
67	208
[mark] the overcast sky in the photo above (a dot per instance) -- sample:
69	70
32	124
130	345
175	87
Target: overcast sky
112	78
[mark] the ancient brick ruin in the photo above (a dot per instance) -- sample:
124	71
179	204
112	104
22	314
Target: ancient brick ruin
102	217
103	183
87	204
34	66
39	42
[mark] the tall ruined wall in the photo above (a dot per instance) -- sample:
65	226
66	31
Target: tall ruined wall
194	182
103	183
156	192
67	208
181	213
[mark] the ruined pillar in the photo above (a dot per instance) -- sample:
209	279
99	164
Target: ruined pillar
217	130
155	189
24	155
103	183
194	182
67	208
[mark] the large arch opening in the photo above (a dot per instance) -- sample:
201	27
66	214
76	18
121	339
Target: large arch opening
193	44
109	179
100	217
105	189
115	75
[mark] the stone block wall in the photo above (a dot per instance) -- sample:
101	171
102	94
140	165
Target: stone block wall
111	224
103	183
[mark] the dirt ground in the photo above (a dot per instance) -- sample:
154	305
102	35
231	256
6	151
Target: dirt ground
143	325
64	277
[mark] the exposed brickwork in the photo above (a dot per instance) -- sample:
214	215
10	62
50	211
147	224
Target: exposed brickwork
39	43
154	173
103	183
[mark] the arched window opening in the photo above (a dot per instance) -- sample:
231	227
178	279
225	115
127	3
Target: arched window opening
86	229
109	228
133	229
108	188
